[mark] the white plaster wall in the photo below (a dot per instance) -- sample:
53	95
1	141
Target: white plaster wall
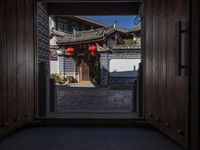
54	67
123	67
124	64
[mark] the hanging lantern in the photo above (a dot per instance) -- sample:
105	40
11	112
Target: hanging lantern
92	49
70	51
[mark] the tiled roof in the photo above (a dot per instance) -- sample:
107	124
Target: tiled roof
125	47
54	47
81	36
121	48
57	33
91	21
135	29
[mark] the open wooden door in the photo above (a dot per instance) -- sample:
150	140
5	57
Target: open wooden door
166	67
17	64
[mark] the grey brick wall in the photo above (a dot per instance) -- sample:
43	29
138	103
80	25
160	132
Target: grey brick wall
43	55
42	33
66	65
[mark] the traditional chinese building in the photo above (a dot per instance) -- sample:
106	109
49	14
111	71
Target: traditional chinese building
68	23
71	54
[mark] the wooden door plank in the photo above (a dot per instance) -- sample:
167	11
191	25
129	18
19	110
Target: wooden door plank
21	61
155	63
171	66
148	58
171	29
182	80
29	45
162	62
3	70
12	61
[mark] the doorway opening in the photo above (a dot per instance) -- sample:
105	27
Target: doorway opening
166	73
163	77
92	67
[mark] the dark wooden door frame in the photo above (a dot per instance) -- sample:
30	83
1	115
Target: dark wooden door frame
92	7
88	1
194	78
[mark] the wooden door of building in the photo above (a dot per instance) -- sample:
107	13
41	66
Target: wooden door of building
17	80
166	67
84	71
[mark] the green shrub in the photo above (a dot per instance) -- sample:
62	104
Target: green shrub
57	78
129	42
71	79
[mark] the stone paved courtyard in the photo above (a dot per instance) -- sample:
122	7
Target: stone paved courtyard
89	99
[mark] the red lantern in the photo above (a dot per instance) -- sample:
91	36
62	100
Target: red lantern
70	51
92	49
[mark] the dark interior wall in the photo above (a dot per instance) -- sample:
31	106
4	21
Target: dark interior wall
17	64
166	89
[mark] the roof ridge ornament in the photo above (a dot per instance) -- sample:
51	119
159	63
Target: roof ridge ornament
74	31
114	24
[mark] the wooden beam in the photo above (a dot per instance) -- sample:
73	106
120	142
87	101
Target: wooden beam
91	8
80	1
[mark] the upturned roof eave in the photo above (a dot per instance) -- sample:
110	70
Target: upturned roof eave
80	42
91	21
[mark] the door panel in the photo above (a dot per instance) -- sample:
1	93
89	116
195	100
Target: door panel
177	94
17	65
166	90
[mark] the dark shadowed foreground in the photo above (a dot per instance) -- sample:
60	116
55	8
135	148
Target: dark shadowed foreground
87	138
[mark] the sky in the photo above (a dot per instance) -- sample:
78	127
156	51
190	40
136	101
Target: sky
122	21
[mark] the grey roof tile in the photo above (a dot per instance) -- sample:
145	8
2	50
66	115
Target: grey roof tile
80	36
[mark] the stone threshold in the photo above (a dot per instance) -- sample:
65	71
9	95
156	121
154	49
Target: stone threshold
85	115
